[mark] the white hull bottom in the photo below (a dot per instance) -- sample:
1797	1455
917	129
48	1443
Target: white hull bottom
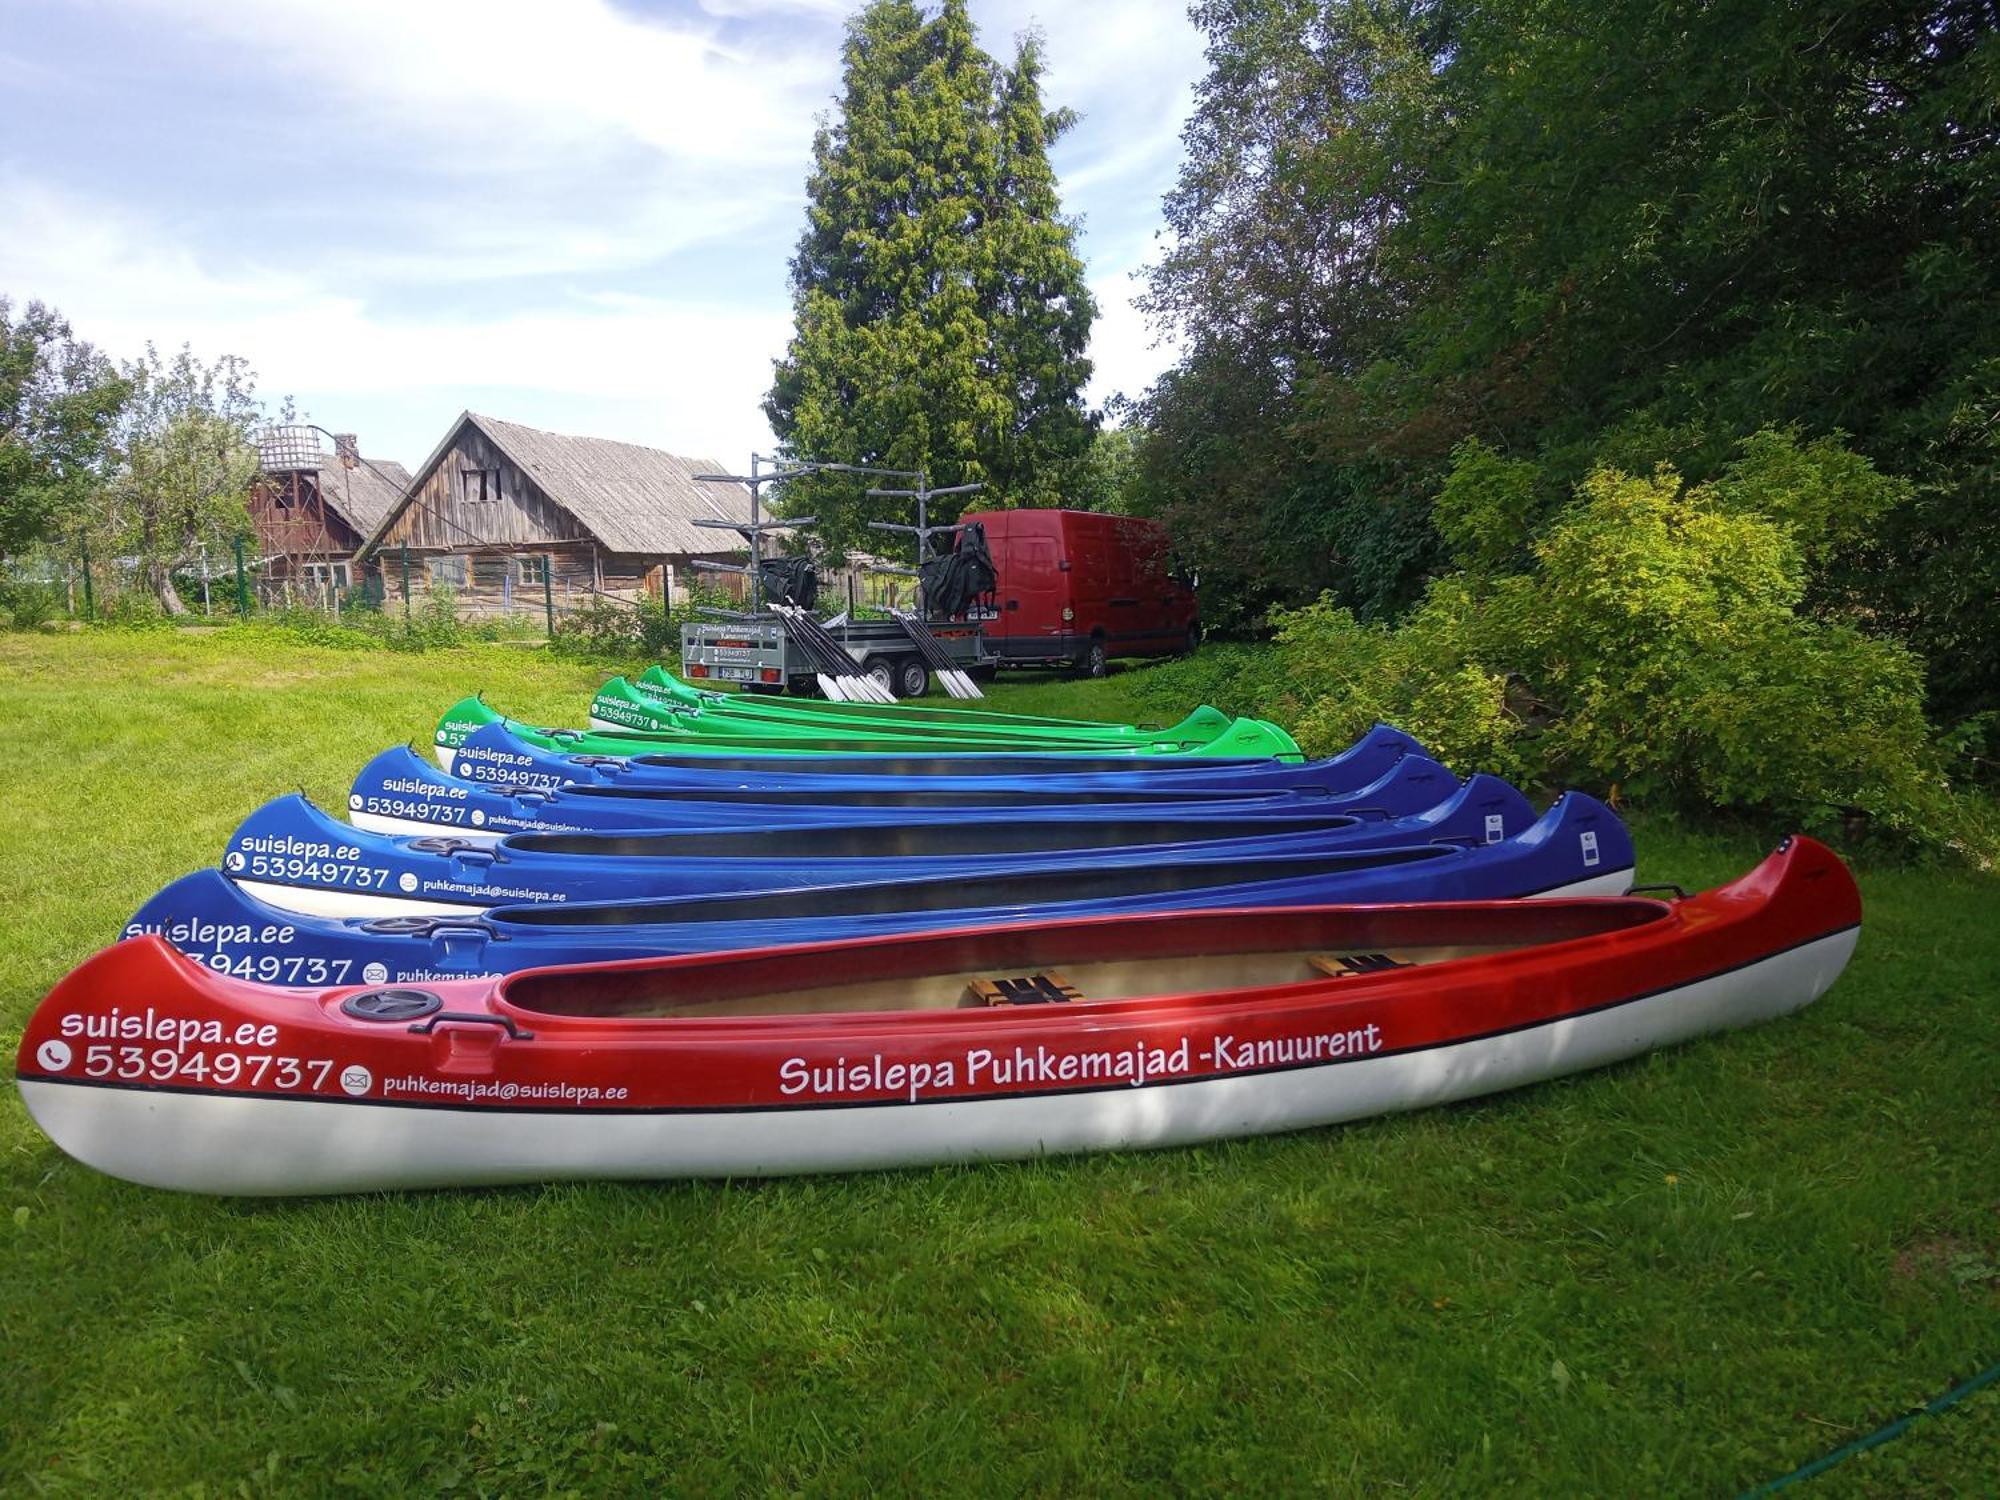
225	1144
341	902
446	755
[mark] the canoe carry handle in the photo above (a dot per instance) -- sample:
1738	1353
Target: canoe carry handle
427	927
1666	885
520	791
595	760
428	845
563	734
472	1018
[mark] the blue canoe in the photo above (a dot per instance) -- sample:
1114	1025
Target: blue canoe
400	792
1577	847
292	855
495	754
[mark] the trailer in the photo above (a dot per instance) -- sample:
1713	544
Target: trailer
1080	587
760	653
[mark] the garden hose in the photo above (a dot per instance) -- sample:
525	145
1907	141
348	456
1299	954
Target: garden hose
1880	1435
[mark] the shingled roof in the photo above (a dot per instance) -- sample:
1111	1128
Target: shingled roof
632	499
363	496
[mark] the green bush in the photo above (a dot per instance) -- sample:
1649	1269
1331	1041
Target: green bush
1655	649
432	624
130	609
1238	679
645	631
28	604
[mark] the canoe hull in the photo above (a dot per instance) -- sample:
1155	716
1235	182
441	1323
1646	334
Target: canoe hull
495	754
1577	847
398	793
234	1144
382	876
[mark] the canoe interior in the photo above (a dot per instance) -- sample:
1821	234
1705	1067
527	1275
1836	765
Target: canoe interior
1213	955
1040	887
974	836
917	797
944	765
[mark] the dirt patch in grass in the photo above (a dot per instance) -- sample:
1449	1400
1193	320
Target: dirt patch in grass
1972	1267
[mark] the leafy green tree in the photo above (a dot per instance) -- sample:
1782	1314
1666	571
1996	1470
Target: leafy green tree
1105	478
186	464
59	401
940	308
1617	235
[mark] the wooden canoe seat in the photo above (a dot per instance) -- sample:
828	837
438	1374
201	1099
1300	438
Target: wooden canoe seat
1051	987
1343	965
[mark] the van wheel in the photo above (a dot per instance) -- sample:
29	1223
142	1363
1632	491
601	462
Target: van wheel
1095	662
912	680
1193	641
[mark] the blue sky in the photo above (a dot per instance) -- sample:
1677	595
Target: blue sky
570	213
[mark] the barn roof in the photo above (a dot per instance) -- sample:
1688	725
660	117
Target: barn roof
631	498
363	496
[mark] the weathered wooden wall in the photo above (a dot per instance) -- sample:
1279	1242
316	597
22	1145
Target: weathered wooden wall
293	525
444	517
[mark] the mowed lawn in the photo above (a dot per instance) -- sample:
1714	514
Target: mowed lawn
1681	1276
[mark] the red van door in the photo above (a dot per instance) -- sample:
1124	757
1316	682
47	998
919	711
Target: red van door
1033	593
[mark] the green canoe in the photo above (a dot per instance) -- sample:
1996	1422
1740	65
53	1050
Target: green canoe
662	687
620	706
1242	738
626	703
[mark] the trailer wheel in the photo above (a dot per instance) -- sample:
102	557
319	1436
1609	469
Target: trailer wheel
913	680
883	670
803	685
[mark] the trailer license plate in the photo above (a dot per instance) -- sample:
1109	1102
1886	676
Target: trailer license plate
737	674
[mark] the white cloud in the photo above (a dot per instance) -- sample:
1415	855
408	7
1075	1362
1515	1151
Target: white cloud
536	79
699	368
1126	353
481	170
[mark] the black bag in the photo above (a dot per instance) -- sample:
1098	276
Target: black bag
789	580
954	580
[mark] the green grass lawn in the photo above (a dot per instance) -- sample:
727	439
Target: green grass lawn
1680	1276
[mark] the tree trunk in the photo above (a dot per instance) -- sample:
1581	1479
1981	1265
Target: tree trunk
164	590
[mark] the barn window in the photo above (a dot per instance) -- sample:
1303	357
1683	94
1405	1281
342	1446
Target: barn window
534	571
336	573
449	569
489	572
481	485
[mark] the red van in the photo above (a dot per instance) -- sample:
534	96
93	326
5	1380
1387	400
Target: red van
1079	587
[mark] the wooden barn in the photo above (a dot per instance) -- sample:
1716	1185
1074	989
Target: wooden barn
310	510
499	507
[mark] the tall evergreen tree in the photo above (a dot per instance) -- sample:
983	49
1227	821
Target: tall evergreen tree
940	307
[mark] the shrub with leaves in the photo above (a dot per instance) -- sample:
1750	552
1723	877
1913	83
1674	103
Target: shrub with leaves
1657	648
646	631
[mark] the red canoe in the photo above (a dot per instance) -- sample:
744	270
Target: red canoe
1088	1035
